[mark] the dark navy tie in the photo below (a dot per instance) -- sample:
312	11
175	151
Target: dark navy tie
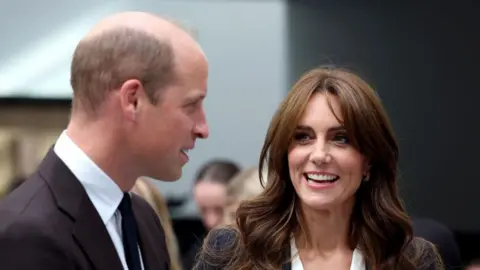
130	233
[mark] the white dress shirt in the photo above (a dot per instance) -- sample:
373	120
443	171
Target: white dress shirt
358	262
104	194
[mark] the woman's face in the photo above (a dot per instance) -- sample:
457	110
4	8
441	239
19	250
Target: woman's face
211	199
325	169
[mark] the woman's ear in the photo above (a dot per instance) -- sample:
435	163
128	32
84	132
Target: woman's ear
366	171
367	166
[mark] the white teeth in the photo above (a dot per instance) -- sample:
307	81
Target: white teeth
185	151
321	177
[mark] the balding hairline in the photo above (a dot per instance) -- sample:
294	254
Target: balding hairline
182	26
99	34
103	61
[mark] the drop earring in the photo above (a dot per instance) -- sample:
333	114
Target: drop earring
366	177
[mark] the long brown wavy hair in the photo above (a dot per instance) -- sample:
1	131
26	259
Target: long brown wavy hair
379	227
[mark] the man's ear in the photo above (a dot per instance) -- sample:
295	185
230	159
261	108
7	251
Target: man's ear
130	93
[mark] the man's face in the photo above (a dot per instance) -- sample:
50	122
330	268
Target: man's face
168	130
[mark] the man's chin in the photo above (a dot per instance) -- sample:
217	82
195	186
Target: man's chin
168	177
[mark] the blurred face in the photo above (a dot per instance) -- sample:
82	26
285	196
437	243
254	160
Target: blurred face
473	267
325	169
231	212
211	199
166	132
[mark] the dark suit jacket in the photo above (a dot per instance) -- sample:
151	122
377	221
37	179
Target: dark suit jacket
49	223
224	237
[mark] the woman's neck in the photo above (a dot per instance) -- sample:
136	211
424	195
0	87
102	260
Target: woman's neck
324	231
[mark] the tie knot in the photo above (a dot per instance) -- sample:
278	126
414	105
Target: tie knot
126	204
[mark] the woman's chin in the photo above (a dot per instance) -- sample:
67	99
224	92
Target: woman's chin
318	202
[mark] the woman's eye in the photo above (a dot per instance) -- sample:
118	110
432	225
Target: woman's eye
301	137
340	139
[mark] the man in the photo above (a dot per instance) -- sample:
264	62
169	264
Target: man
139	82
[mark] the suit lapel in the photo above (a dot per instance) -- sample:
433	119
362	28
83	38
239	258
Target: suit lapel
150	261
149	255
88	229
92	235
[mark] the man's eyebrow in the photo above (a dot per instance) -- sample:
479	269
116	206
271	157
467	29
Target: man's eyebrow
197	96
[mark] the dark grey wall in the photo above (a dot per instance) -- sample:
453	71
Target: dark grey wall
424	61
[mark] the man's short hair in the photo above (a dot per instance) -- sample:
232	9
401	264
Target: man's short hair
104	62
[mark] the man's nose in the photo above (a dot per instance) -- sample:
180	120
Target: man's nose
201	128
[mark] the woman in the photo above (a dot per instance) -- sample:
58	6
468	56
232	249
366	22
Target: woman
210	195
331	200
149	192
210	190
244	186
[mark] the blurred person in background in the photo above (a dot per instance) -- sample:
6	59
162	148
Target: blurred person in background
443	239
210	190
244	186
139	82
331	200
473	265
12	185
145	189
210	196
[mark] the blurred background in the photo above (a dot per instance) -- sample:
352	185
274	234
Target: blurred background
422	57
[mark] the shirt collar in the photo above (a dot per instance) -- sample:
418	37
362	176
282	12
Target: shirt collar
358	262
103	192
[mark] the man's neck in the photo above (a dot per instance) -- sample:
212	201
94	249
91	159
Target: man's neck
104	148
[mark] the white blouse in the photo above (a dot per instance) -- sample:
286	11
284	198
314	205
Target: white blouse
358	262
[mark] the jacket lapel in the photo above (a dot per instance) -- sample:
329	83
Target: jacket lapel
150	261
150	249
92	235
88	229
